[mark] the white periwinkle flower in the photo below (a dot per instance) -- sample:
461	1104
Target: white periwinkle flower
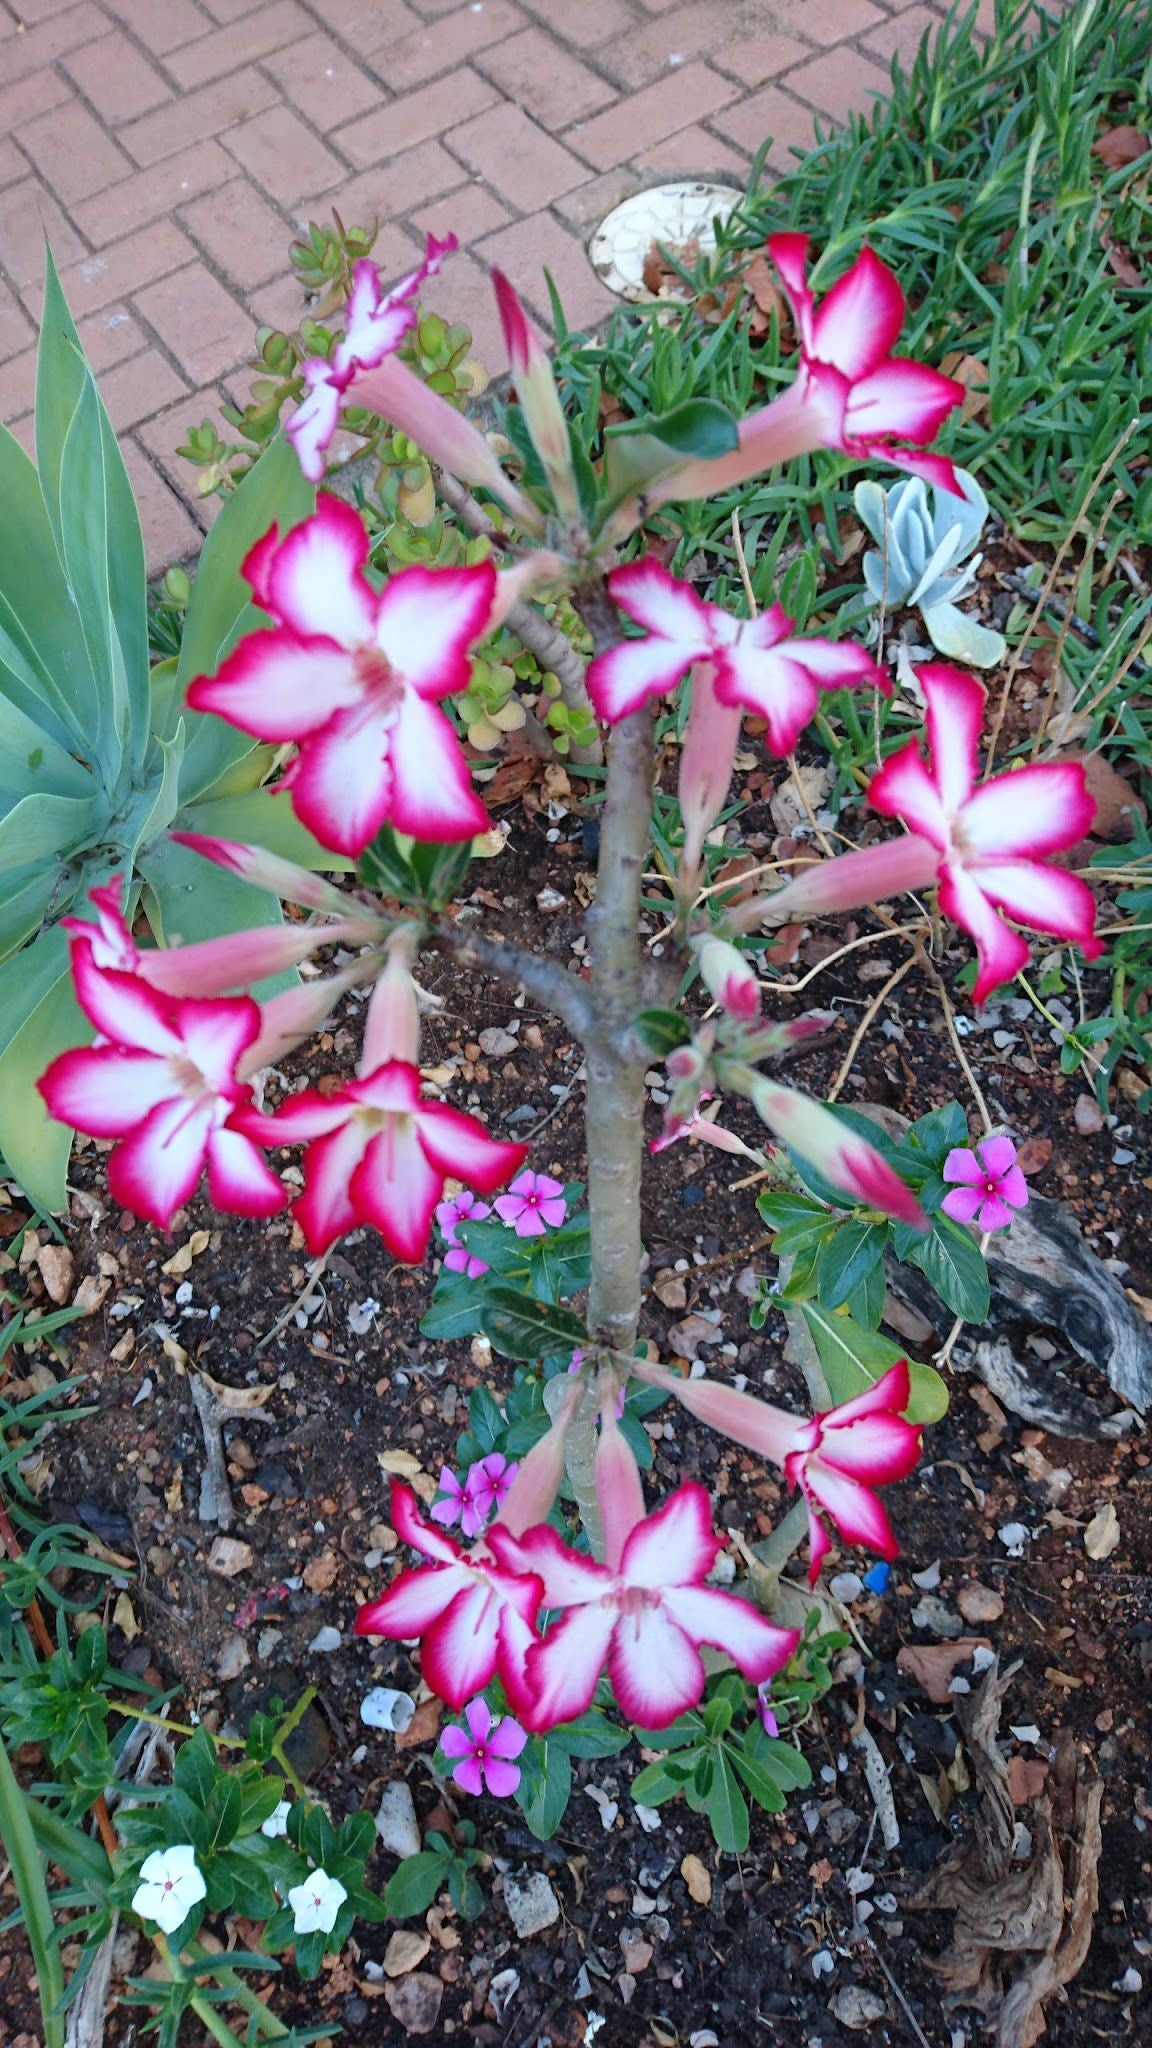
277	1821
316	1902
170	1885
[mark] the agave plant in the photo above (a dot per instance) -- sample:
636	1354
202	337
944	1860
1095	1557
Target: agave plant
98	757
923	558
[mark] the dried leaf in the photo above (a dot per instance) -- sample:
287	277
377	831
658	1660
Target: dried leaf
1102	1535
402	1463
124	1615
933	1665
181	1260
241	1399
423	1727
406	1950
698	1879
57	1269
1116	147
973	375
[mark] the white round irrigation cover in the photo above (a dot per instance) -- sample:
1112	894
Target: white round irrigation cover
672	215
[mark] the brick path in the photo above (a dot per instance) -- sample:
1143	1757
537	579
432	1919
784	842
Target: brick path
171	149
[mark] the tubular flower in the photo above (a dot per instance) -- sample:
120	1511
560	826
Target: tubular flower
375	323
989	1184
707	762
472	1613
991	841
539	399
379	1153
836	1458
756	663
163	1082
647	1618
846	1160
729	976
354	676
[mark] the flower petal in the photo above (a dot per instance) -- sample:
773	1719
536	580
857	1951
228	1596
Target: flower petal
105	1090
654	1667
858	1513
343	783
315	580
455	1741
1001	951
508	1738
429	619
789	252
963	1204
997	1154
901	397
432	792
1047	898
903	788
890	1394
877	1449
859	319
563	1670
568	1579
277	686
122	1007
467	1775
395	1188
502	1778
995	1214
955	703
624	678
413	1602
311	427
478	1715
676	1545
299	1118
780	691
962	1165
325	1210
652	597
240	1178
459	1145
214	1032
155	1170
412	1529
459	1652
756	1646
1030	811
1013	1188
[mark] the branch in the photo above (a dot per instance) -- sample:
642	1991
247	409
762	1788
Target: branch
552	648
549	984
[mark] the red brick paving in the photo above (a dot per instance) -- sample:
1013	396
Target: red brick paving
173	148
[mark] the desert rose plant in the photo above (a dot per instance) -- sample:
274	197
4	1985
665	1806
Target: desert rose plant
356	680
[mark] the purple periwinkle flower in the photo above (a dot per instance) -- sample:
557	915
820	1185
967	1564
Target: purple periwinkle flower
488	1482
459	1504
484	1750
461	1208
534	1203
989	1184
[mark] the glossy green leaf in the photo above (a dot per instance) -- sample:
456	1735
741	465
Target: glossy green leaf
854	1358
543	1795
527	1329
412	1888
262	817
727	1808
952	1260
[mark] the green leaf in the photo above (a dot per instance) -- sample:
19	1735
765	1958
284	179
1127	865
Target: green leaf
92	510
854	1358
661	1031
454	1311
41	645
786	1764
698	430
35	1147
727	1807
760	1782
33	763
659	1781
955	1265
485	1420
797	1220
25	896
261	817
48	828
28	1878
560	1263
221	610
846	1259
522	1328
592	1735
936	1134
544	1793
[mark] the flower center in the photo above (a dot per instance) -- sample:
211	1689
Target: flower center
631	1599
187	1076
378	679
991	1187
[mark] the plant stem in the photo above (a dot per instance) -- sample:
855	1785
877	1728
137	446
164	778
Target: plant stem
544	979
28	1877
552	648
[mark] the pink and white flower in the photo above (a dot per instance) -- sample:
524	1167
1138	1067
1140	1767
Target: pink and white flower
757	664
379	1153
163	1081
729	977
354	676
485	1751
534	1203
539	399
990	842
645	1619
472	1613
836	1458
990	1184
707	764
837	1152
375	324
461	1208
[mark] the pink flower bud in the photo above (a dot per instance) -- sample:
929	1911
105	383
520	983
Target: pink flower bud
729	977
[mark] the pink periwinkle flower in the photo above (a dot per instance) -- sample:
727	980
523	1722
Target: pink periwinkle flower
991	1184
643	1617
461	1208
375	324
458	1504
355	677
484	1751
755	664
489	1483
988	844
534	1203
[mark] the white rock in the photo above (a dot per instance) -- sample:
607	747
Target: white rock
648	1817
1129	1983
857	2008
326	1640
396	1822
823	1963
532	1904
1013	1535
1027	1732
927	1580
609	1808
846	1587
384	1708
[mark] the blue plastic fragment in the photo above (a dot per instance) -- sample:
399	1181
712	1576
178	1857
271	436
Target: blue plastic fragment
877	1580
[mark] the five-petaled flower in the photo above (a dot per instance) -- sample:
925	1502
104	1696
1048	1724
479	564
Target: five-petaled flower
163	1081
989	1184
491	1479
757	663
379	1153
988	843
277	1821
170	1885
472	1613
485	1750
316	1903
375	323
647	1618
354	676
461	1208
534	1203
456	1503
